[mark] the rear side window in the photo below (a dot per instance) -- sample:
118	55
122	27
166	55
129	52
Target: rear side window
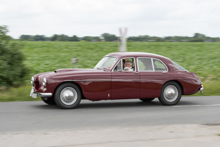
145	64
159	65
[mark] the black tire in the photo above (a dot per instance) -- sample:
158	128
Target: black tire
147	99
72	96
49	101
170	93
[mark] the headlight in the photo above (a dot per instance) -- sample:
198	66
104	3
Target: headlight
32	80
44	82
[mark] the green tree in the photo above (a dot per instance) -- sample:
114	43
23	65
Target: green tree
12	69
26	37
109	37
63	38
74	38
39	38
54	37
196	40
198	35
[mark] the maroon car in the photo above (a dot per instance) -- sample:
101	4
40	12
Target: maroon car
129	75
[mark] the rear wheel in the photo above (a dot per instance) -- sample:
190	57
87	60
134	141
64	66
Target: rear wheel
49	101
147	99
170	94
68	96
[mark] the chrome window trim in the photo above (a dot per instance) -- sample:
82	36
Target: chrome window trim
116	65
121	64
152	65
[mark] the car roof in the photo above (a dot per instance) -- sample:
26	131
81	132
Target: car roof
136	54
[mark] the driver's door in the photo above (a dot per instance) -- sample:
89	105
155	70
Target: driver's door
125	84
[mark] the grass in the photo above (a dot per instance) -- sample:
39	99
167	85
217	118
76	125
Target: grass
201	58
17	94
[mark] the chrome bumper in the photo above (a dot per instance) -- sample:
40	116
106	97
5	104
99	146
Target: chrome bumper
201	89
44	94
36	94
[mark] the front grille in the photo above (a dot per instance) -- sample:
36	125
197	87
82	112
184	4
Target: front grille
36	85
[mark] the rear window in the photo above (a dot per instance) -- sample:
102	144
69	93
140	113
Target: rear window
180	68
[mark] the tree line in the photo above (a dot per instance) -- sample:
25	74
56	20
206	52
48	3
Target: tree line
197	37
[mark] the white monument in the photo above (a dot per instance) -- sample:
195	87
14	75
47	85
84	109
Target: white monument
123	40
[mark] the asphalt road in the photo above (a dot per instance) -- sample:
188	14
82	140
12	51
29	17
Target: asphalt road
31	116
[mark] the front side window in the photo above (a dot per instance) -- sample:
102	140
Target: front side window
158	65
125	64
145	64
106	63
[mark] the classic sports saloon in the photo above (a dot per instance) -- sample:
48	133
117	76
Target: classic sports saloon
129	75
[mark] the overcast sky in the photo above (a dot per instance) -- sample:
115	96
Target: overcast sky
94	17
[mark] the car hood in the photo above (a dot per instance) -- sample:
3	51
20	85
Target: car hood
65	73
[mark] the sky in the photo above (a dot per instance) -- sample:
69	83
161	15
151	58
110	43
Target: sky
95	17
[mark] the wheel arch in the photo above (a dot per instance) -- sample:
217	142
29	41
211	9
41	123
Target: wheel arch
181	86
72	82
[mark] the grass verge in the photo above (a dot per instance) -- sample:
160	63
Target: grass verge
201	58
17	94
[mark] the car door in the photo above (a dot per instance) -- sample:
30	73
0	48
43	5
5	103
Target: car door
125	84
153	74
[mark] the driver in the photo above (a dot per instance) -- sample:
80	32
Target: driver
128	66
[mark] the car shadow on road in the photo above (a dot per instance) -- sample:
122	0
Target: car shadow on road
137	104
118	104
45	106
85	104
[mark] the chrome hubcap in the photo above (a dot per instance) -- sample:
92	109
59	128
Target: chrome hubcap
170	93
68	96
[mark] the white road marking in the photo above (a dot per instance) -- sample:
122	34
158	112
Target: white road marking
211	105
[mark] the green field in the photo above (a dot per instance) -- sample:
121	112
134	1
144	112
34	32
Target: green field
201	58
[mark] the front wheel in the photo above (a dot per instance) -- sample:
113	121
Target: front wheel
68	96
170	94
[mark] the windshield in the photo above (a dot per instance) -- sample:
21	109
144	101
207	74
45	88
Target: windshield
106	63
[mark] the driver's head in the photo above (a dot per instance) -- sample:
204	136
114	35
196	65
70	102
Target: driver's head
128	64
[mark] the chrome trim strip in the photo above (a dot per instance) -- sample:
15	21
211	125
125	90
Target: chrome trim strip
43	94
99	80
90	80
152	64
124	80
